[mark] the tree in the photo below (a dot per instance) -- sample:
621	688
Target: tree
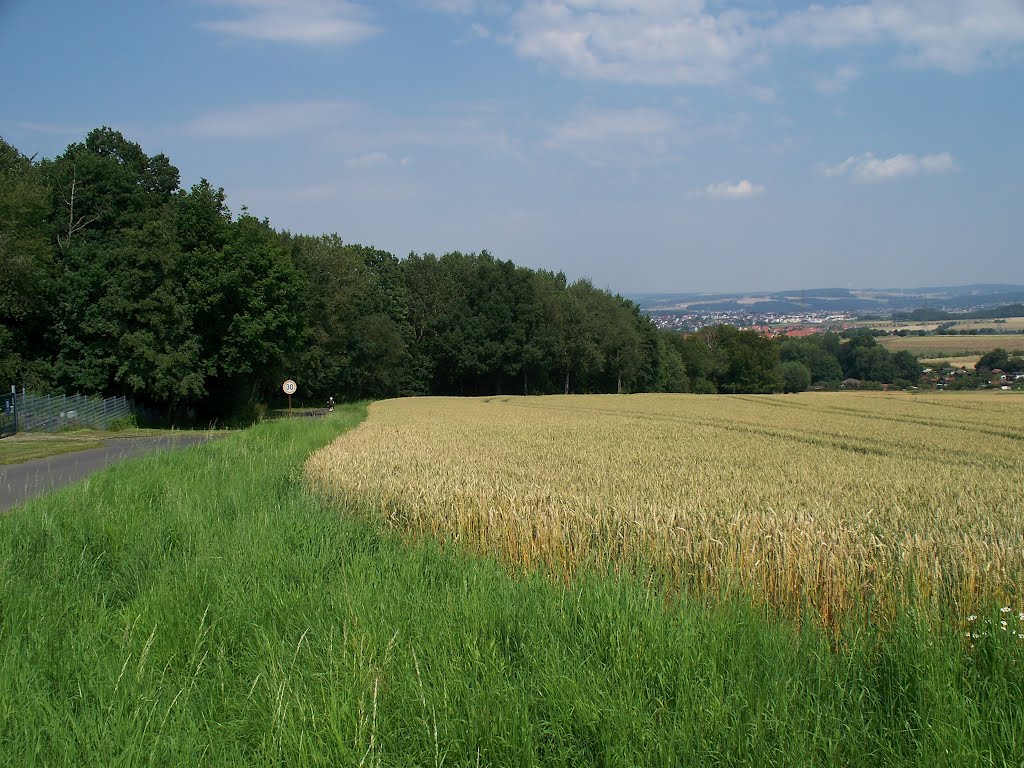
27	292
750	362
796	377
541	312
700	360
620	341
107	184
905	367
671	368
997	358
815	352
580	352
244	298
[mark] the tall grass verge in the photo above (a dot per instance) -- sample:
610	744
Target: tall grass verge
201	608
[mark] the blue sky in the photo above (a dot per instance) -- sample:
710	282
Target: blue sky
657	145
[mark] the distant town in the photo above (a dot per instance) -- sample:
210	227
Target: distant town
807	312
767	323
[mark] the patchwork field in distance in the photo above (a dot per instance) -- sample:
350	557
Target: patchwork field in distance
967	361
833	502
952	346
999	325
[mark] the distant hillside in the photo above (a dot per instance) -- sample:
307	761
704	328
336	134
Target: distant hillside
980	298
923	314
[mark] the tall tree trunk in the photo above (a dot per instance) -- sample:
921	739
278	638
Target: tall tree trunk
567	381
619	390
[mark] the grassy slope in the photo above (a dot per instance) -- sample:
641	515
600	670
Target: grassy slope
200	607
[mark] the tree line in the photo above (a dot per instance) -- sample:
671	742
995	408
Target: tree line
116	280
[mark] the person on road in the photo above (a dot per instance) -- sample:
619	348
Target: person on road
330	405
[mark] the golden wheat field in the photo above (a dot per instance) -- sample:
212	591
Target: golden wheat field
832	502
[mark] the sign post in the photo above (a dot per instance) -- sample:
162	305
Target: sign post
290	388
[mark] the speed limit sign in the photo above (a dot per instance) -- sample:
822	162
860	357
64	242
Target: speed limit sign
290	388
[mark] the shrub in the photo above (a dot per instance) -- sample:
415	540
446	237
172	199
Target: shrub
123	423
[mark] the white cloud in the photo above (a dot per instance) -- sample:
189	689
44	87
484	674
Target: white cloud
867	168
288	119
954	35
369	160
309	22
613	125
53	129
461	7
359	133
697	42
729	191
658	41
837	82
378	160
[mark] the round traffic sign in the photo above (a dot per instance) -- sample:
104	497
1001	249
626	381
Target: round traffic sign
290	387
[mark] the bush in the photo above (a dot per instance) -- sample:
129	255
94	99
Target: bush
123	423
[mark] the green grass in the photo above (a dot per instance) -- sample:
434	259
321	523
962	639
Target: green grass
199	607
27	446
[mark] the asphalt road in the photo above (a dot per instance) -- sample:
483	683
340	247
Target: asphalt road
21	482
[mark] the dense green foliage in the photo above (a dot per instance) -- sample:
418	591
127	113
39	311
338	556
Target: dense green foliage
117	281
1000	359
233	619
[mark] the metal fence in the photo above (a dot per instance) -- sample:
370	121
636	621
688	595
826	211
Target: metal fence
8	414
52	413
